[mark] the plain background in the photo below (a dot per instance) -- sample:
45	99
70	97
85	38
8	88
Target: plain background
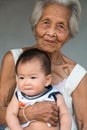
15	30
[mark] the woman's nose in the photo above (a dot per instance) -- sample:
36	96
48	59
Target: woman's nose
51	32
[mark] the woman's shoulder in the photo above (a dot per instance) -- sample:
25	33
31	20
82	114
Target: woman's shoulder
8	56
70	63
74	66
18	50
75	77
7	61
77	73
69	60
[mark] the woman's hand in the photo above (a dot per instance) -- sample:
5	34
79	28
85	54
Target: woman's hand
44	111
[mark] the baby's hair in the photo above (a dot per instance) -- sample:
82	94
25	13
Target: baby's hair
38	54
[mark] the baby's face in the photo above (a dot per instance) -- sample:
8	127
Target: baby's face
31	79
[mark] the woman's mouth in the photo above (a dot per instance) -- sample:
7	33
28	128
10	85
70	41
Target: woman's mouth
50	41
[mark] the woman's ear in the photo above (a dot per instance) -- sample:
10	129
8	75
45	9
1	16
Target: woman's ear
34	31
48	80
69	37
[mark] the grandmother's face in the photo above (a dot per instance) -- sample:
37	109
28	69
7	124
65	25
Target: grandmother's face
52	30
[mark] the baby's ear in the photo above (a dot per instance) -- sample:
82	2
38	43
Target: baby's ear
48	80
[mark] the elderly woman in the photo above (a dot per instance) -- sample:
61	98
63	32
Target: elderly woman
54	22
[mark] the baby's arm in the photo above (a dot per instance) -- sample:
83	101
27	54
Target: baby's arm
64	114
11	115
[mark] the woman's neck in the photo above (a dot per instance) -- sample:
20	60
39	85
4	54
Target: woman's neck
56	57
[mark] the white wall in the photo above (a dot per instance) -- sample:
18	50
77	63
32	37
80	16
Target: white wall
15	30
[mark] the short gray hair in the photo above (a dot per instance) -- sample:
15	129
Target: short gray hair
73	4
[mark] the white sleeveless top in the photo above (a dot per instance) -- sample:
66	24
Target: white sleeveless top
48	95
67	86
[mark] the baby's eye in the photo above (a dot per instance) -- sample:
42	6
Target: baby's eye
33	77
21	77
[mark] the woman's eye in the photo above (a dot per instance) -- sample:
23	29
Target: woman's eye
60	26
46	22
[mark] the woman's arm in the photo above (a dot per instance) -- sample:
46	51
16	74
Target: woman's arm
7	84
11	115
79	97
42	111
